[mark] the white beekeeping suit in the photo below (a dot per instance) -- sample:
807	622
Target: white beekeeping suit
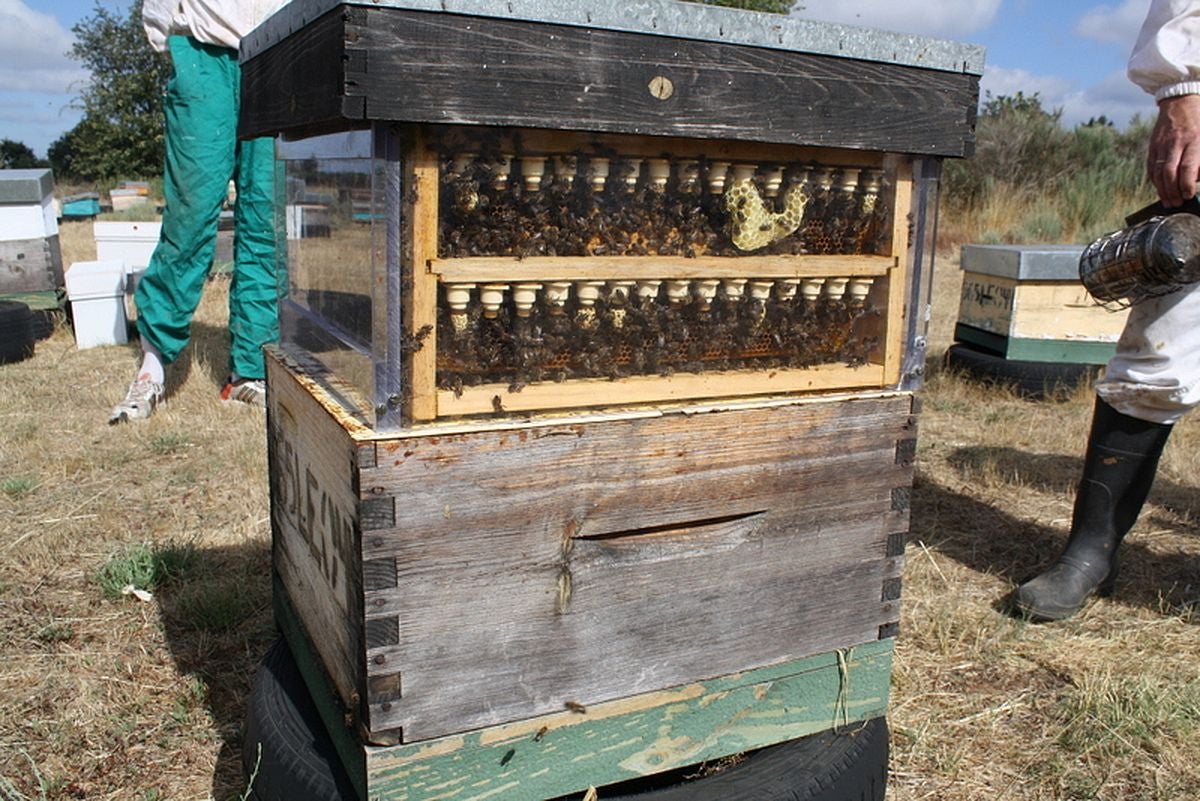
215	22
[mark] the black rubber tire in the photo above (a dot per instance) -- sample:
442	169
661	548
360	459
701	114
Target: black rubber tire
1034	380
849	764
298	761
16	332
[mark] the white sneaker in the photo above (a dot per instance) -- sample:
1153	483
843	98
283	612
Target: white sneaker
252	391
140	401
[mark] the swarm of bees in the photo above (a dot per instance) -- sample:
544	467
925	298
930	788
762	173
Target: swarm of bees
603	204
622	332
494	204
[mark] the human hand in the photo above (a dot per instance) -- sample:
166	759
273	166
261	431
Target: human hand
1173	161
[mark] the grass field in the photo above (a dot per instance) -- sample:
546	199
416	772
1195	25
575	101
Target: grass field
105	696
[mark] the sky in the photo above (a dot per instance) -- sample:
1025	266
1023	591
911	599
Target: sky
1071	53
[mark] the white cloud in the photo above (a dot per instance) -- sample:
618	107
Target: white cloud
998	81
33	51
1113	97
943	18
1117	25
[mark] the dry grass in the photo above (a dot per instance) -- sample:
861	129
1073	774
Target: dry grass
1105	706
113	698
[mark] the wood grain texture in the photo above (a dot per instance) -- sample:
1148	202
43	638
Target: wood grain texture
314	524
637	736
591	392
534	140
562	268
334	715
299	85
589	563
898	283
419	221
414	66
30	265
1036	309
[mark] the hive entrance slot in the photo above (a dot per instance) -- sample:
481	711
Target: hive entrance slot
668	529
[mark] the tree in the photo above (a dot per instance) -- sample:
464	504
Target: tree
121	133
17	155
772	6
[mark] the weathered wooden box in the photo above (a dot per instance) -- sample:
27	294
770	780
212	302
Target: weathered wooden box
1026	302
484	573
593	410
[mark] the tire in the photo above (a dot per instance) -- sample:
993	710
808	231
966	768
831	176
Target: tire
849	764
298	761
1033	380
16	332
43	324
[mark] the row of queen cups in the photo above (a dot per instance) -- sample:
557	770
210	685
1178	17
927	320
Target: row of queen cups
655	173
491	297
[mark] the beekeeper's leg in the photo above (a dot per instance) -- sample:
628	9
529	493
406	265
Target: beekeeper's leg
1151	382
200	109
253	307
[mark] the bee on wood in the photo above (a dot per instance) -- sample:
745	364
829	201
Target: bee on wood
576	707
537	738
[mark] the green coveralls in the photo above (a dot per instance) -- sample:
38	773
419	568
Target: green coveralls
202	154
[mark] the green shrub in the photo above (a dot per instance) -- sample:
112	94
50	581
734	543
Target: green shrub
1073	185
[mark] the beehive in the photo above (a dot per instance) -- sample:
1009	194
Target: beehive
30	258
599	387
1026	302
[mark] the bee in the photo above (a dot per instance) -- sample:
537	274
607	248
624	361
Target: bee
576	707
497	405
537	738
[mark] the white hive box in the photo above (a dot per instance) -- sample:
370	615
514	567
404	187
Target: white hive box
96	290
27	205
130	242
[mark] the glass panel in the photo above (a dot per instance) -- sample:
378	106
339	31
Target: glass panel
331	214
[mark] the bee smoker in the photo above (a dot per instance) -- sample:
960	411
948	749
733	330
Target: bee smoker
1150	258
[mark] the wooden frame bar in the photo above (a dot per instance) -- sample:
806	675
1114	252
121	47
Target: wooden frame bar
419	218
893	355
675	389
550	268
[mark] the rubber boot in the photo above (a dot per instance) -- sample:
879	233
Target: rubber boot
1118	470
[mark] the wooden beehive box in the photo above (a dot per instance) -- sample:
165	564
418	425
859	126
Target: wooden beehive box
599	386
1026	302
30	259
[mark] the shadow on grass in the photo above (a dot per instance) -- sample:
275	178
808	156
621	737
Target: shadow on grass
993	541
218	623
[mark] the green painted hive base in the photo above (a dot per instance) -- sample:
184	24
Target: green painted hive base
568	752
1065	351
